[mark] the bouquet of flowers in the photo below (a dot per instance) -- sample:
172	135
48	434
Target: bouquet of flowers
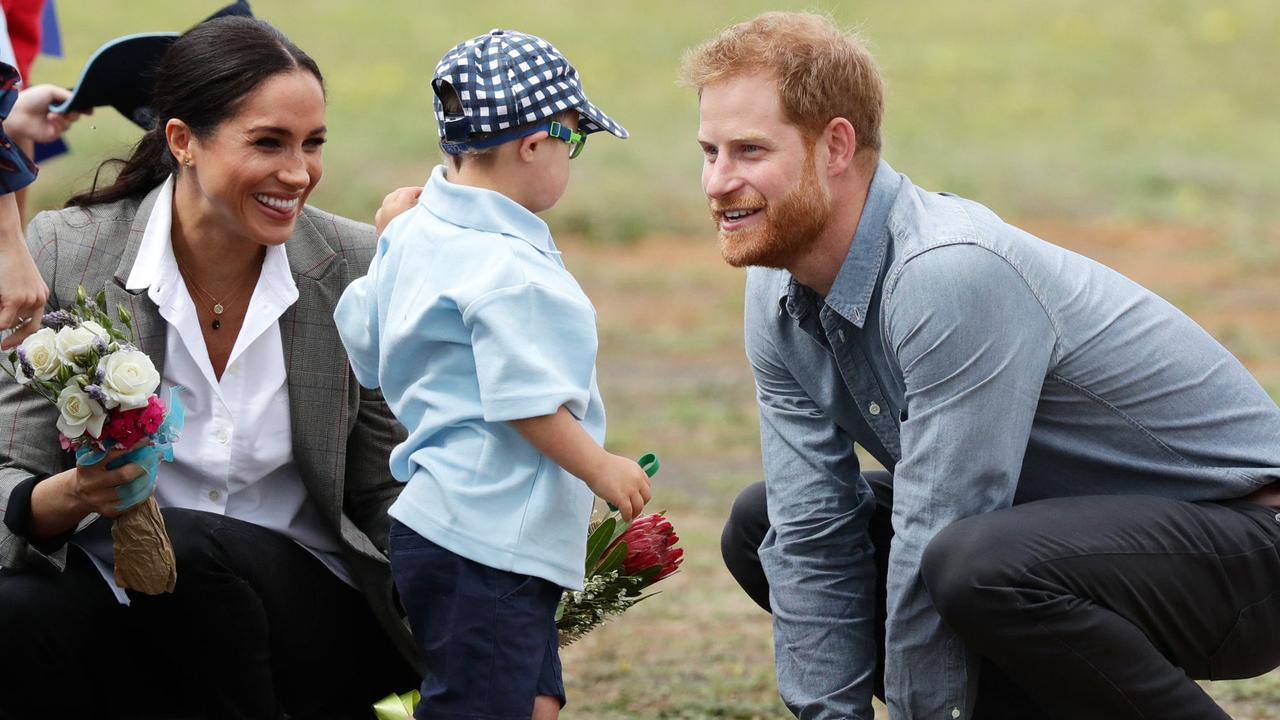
104	389
623	560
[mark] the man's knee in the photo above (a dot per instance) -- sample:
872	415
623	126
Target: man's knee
969	570
744	530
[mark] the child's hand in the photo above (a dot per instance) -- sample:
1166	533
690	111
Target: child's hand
622	482
396	202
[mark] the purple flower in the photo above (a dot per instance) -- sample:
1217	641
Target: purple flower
95	392
58	319
24	363
100	345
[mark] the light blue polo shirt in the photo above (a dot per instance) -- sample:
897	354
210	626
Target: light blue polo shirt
466	320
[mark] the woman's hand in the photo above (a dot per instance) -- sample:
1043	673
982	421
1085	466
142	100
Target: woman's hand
59	503
396	202
30	120
22	290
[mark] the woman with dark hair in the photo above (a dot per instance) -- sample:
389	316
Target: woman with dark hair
276	499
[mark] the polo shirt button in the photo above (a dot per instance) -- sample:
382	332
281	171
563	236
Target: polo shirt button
874	408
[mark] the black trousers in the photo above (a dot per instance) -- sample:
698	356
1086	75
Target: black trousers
1090	607
256	628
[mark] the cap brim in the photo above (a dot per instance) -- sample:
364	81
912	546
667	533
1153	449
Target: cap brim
121	74
593	120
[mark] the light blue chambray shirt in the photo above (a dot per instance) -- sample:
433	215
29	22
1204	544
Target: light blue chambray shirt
468	319
982	366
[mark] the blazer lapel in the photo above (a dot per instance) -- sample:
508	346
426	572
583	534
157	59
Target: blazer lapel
319	379
149	329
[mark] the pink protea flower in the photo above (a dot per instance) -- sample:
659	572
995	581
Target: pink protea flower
650	543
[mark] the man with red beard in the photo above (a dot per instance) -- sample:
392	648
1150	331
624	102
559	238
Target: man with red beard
1078	513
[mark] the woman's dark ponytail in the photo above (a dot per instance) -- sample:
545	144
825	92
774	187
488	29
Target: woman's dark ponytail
145	168
201	80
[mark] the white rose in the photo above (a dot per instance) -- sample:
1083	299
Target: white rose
79	413
128	378
97	330
42	352
73	342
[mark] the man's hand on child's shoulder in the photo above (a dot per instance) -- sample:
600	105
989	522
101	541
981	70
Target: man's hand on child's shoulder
396	202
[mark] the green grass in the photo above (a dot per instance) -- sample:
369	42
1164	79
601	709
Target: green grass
1152	110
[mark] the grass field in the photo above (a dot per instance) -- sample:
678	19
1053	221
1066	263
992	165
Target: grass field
1144	134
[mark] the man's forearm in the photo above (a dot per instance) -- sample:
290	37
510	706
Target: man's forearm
823	600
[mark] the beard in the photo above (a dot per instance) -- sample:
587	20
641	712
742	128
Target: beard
787	230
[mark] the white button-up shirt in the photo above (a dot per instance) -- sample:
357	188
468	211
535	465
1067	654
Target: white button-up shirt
235	456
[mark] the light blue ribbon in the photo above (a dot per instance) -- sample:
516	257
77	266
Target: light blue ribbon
148	457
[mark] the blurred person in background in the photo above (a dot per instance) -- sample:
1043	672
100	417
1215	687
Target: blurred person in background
27	120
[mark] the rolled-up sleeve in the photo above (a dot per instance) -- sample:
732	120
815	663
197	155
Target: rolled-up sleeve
535	350
974	344
817	554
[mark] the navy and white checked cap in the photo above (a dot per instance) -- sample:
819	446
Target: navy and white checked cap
506	79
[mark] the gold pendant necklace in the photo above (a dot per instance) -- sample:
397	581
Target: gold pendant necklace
218	307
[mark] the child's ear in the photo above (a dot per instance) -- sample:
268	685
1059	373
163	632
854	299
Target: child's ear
530	144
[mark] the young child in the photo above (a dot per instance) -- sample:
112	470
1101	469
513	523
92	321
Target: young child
484	346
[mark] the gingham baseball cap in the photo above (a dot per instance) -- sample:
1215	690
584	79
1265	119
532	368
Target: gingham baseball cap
506	79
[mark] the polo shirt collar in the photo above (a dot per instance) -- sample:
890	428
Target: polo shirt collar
855	283
484	210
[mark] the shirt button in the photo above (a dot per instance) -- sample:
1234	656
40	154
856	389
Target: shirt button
1277	517
874	408
222	436
955	712
840	335
214	495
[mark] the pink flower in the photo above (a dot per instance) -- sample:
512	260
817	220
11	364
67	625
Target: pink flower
127	427
124	428
152	415
650	543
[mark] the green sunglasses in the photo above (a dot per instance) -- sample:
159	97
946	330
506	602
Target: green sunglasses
576	140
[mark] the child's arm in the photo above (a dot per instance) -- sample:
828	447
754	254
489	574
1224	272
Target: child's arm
614	478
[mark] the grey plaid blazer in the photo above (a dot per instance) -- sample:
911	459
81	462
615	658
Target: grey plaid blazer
342	433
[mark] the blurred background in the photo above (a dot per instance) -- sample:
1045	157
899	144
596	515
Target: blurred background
1144	134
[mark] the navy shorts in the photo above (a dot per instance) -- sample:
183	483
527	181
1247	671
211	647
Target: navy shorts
488	636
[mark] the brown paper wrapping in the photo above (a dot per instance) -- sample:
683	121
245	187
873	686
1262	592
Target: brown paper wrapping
144	555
